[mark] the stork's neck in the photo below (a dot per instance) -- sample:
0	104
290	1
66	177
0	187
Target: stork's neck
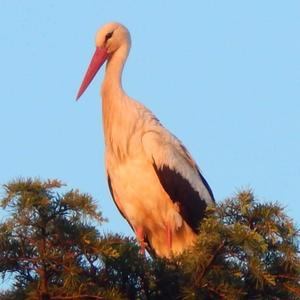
112	83
113	96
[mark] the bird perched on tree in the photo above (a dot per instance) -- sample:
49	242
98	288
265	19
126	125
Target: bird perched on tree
153	179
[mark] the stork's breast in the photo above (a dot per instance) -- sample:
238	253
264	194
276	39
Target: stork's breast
139	191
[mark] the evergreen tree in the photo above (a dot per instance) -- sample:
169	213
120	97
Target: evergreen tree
50	242
244	250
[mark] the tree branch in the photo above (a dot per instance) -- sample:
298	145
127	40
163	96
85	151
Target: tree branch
210	261
76	297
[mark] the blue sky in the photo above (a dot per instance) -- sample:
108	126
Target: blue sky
224	76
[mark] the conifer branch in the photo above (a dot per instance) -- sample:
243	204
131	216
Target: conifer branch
210	261
87	296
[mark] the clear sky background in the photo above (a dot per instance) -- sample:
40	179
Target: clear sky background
223	76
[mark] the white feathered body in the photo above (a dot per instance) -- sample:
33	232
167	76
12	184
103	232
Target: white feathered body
134	142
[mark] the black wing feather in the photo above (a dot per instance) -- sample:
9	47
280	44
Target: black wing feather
206	185
192	207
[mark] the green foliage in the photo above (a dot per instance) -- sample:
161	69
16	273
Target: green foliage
245	250
50	242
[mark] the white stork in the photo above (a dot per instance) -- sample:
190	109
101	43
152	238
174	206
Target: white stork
154	181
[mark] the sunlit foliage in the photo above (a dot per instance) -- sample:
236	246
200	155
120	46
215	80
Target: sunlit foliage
51	243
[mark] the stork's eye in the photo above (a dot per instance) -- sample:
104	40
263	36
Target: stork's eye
108	36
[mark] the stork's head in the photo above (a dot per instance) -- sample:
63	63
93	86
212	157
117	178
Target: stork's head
109	39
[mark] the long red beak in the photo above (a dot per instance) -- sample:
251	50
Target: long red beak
97	61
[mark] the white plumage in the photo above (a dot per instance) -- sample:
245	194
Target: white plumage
153	179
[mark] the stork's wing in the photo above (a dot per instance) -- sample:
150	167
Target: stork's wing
178	174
